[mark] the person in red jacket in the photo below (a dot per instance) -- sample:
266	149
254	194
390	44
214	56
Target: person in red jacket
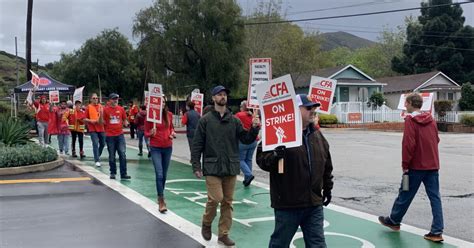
420	160
140	120
246	151
132	113
41	108
161	146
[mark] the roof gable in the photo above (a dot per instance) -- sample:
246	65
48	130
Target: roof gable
350	72
414	82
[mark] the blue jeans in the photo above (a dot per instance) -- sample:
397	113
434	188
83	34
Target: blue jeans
98	144
117	144
63	143
430	178
141	137
246	154
287	221
161	161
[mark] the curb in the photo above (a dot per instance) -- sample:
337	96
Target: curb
32	168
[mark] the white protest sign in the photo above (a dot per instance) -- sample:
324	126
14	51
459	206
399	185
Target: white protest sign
280	113
198	100
78	94
260	70
155	102
54	96
428	101
146	98
322	90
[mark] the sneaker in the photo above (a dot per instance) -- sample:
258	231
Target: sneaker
112	176
149	154
140	154
74	155
206	232
225	240
388	223
97	164
247	183
82	155
125	177
434	237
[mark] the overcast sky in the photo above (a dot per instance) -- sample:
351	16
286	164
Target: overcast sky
64	25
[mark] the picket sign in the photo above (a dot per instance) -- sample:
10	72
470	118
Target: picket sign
198	100
154	106
78	94
428	103
280	115
54	96
322	90
260	70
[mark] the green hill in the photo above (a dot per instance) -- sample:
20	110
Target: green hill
8	72
343	39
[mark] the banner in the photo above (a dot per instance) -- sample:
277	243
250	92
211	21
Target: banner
154	107
260	70
29	98
77	95
198	100
280	113
428	103
322	90
54	96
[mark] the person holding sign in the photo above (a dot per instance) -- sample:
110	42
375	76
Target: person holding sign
217	138
298	195
140	123
420	160
190	119
95	127
41	108
161	137
115	119
246	151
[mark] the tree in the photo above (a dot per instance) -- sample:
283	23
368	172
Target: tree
29	17
466	102
192	43
110	58
376	100
438	41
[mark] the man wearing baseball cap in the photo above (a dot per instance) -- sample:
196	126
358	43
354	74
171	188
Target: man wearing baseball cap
115	119
299	194
217	138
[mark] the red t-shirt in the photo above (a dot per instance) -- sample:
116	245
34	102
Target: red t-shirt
42	111
94	127
245	118
162	136
113	120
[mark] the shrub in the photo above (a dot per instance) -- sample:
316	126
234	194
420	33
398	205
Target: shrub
13	132
22	155
441	106
327	119
467	120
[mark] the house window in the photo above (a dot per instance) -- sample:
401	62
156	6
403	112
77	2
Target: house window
451	96
344	94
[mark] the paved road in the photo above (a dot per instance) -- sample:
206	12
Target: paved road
367	176
81	213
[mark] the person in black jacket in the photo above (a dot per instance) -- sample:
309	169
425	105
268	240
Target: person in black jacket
298	195
190	119
217	139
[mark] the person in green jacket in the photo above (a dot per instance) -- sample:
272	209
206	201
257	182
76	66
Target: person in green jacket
217	138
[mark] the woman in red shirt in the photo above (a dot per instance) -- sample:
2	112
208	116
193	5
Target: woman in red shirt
161	146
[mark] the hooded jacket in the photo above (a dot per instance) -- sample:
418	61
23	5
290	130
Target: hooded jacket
420	143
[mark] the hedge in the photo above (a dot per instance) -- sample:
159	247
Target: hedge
327	119
467	120
23	155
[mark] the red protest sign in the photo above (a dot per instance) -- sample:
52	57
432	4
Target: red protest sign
198	100
54	96
280	113
322	90
154	107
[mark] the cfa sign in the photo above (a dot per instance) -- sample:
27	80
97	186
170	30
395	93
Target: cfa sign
322	90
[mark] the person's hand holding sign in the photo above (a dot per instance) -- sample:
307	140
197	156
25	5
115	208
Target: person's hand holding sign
153	131
255	121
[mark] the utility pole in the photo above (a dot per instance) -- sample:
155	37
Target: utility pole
29	15
16	61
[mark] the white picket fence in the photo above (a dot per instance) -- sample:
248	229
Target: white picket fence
359	112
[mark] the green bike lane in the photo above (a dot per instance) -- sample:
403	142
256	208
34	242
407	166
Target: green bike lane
253	220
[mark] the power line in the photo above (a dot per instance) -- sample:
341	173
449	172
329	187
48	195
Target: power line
452	48
338	7
353	15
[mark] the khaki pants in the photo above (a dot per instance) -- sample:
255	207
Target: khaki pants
219	190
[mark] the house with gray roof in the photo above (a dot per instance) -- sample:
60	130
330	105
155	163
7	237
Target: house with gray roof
443	87
353	85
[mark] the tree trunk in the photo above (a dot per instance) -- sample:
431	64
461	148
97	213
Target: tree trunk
29	14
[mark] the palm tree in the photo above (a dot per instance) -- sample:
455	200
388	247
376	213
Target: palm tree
28	38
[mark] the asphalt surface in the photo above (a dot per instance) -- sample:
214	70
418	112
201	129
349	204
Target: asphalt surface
367	175
77	214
